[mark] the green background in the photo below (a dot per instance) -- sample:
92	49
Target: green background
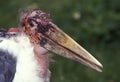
95	24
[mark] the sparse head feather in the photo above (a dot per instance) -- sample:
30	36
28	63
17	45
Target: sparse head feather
34	16
34	23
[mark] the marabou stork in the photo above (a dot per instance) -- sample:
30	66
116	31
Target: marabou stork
23	51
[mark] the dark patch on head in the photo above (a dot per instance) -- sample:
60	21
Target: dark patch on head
43	29
7	66
43	41
40	18
30	22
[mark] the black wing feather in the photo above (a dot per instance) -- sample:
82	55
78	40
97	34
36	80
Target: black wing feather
7	66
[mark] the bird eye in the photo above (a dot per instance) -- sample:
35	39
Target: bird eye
32	23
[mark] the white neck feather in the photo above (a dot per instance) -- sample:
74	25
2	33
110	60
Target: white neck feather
27	66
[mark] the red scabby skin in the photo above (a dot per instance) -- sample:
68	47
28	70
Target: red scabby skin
31	31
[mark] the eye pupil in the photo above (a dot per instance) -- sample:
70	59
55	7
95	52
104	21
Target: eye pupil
30	22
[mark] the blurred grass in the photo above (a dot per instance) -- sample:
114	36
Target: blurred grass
95	24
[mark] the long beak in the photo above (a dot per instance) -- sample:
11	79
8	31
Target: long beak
39	27
55	40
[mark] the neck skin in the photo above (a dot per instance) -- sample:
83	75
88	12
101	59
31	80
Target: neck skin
43	61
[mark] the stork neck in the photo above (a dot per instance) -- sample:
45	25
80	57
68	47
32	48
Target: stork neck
42	59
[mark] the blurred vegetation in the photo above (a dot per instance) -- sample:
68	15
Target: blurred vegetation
95	24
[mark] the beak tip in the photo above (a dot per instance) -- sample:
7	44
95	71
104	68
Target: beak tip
96	64
99	67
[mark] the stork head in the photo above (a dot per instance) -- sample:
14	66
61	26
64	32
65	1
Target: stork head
38	26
